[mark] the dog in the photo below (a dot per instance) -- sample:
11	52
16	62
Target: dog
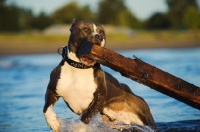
87	89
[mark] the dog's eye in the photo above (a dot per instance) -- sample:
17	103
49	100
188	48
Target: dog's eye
102	33
86	29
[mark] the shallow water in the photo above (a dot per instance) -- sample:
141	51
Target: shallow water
23	81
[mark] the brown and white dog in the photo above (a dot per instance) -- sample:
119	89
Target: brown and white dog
87	89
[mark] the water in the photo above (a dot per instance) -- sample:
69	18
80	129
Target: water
23	81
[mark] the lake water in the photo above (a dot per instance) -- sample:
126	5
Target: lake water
23	81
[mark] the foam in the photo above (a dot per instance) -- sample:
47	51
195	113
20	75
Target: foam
97	125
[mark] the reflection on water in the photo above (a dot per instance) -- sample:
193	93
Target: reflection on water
23	81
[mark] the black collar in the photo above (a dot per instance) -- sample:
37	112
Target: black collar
76	64
72	62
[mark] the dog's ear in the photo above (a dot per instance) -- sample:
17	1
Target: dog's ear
74	21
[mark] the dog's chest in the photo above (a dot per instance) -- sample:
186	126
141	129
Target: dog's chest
77	87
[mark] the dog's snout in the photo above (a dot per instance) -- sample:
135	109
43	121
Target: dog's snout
98	37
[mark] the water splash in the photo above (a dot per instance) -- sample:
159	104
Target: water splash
97	125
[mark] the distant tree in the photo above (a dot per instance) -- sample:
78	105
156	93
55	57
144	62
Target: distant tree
115	12
13	18
9	17
87	14
70	11
177	10
126	18
172	4
41	22
109	10
25	19
157	21
191	18
2	3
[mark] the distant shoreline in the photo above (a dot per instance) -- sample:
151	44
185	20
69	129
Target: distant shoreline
39	43
23	49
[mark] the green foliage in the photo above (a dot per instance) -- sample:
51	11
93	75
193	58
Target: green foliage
177	5
177	9
41	22
13	18
9	23
108	11
25	18
157	21
115	12
191	18
181	14
2	2
70	11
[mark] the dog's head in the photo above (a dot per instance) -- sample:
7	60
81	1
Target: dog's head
83	31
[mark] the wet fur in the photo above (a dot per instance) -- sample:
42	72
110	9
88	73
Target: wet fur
103	93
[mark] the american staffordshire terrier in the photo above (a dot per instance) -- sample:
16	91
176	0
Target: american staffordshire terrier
87	89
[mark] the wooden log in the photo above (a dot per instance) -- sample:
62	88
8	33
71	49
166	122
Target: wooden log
144	73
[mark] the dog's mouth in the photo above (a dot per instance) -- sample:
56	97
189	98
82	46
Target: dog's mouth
87	61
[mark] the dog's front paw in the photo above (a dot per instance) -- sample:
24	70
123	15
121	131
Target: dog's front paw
85	118
52	120
53	123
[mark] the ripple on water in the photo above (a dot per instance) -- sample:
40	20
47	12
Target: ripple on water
97	125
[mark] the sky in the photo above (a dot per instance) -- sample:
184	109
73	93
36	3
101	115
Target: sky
142	9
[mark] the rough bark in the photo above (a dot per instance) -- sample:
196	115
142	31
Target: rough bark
144	73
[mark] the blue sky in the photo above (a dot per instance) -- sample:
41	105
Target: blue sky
142	9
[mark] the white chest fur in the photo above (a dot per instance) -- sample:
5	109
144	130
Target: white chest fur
76	86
